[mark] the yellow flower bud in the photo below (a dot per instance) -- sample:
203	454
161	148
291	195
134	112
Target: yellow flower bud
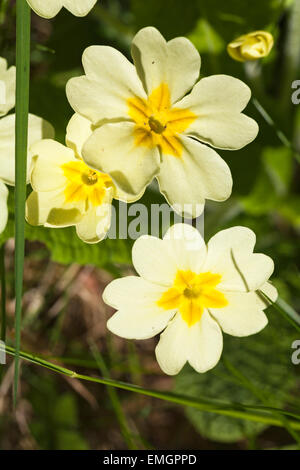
251	46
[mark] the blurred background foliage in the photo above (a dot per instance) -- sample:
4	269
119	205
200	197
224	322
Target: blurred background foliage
63	309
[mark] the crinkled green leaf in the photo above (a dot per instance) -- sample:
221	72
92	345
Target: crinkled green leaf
66	248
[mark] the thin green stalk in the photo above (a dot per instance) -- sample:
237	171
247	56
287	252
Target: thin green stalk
125	429
74	361
3	292
22	108
285	310
259	414
280	134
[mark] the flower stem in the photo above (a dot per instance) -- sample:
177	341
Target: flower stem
22	108
280	134
285	310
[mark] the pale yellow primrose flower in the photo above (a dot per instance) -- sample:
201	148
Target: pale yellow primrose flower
191	292
147	126
38	129
66	191
50	8
7	87
251	46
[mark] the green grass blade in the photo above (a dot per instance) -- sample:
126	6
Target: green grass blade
22	108
285	310
289	311
280	134
234	410
3	292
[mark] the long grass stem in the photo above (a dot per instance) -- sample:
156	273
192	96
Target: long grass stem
22	109
257	413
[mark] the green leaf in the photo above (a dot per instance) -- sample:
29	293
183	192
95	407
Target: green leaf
55	426
262	198
272	183
291	210
66	248
278	162
70	440
206	39
65	411
264	359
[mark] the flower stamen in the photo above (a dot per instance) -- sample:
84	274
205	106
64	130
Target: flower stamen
156	126
90	178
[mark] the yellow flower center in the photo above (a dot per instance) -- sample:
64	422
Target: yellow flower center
157	123
192	293
90	178
84	184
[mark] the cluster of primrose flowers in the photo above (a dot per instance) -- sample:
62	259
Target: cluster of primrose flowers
134	122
